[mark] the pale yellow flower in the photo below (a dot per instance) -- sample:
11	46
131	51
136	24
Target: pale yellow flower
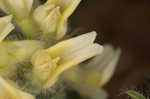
50	63
95	74
52	17
5	26
19	8
10	91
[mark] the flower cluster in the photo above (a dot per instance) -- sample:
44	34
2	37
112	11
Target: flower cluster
47	21
47	61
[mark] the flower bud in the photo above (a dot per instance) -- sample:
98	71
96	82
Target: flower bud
46	16
52	17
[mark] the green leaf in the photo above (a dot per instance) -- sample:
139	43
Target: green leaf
135	95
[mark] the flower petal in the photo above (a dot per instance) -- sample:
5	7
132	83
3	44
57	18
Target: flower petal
80	75
65	4
100	61
7	91
51	1
67	7
46	16
28	4
42	12
109	69
80	56
4	7
73	60
5	27
66	47
50	22
84	53
105	63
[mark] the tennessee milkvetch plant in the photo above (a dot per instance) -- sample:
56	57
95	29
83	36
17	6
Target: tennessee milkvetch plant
29	67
